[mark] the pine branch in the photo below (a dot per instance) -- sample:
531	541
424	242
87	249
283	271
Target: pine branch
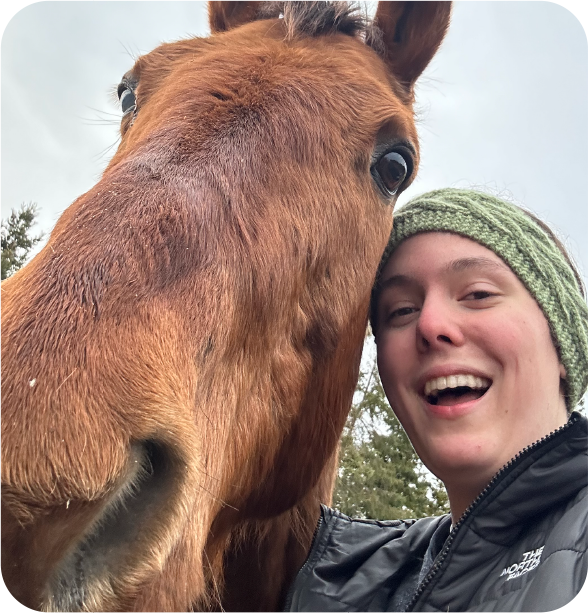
16	240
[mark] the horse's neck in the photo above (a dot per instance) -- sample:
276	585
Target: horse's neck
265	555
260	568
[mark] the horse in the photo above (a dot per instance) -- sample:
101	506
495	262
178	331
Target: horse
179	359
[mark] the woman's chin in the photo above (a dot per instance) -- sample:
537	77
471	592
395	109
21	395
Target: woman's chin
463	457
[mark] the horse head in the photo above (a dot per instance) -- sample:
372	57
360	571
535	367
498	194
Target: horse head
179	360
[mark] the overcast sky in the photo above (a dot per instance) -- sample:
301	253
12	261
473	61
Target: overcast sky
503	106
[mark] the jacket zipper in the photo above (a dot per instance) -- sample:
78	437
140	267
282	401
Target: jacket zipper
290	594
499	475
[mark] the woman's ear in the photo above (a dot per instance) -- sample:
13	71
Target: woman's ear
562	372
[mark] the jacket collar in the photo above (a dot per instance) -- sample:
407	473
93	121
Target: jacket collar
546	473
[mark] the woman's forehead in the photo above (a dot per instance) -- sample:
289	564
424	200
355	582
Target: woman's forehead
443	252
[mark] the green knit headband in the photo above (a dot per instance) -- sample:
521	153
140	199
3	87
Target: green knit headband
529	251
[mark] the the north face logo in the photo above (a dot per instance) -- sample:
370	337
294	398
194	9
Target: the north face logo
530	561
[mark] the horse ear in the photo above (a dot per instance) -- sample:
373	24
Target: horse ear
224	16
412	33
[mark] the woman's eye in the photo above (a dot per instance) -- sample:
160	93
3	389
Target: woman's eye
479	295
390	171
127	100
401	312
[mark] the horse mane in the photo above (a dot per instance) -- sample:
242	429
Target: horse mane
311	19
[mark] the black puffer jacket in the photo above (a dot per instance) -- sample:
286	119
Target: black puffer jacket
521	546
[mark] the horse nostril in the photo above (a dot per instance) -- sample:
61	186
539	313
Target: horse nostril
119	526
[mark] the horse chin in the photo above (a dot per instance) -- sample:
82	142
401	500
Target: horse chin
88	577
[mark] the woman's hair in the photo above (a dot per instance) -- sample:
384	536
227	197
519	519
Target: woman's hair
529	247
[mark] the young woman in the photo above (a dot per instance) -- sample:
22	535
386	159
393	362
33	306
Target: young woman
481	329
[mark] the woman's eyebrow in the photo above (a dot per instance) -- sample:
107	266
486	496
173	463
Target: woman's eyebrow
459	265
395	281
475	262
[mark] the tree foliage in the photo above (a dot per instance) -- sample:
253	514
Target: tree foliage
17	241
380	476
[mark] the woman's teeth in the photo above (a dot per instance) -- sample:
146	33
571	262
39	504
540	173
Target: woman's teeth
434	386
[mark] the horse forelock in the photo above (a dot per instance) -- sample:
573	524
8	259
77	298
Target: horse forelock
302	19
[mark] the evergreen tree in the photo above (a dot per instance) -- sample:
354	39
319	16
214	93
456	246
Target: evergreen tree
380	476
17	241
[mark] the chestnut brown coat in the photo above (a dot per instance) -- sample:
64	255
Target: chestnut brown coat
178	361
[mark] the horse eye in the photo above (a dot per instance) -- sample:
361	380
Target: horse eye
390	171
127	100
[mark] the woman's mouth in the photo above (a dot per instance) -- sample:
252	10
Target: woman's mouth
455	389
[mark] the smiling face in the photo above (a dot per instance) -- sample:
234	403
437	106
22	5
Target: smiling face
466	359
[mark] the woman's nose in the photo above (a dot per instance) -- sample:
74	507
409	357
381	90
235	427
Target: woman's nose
438	324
